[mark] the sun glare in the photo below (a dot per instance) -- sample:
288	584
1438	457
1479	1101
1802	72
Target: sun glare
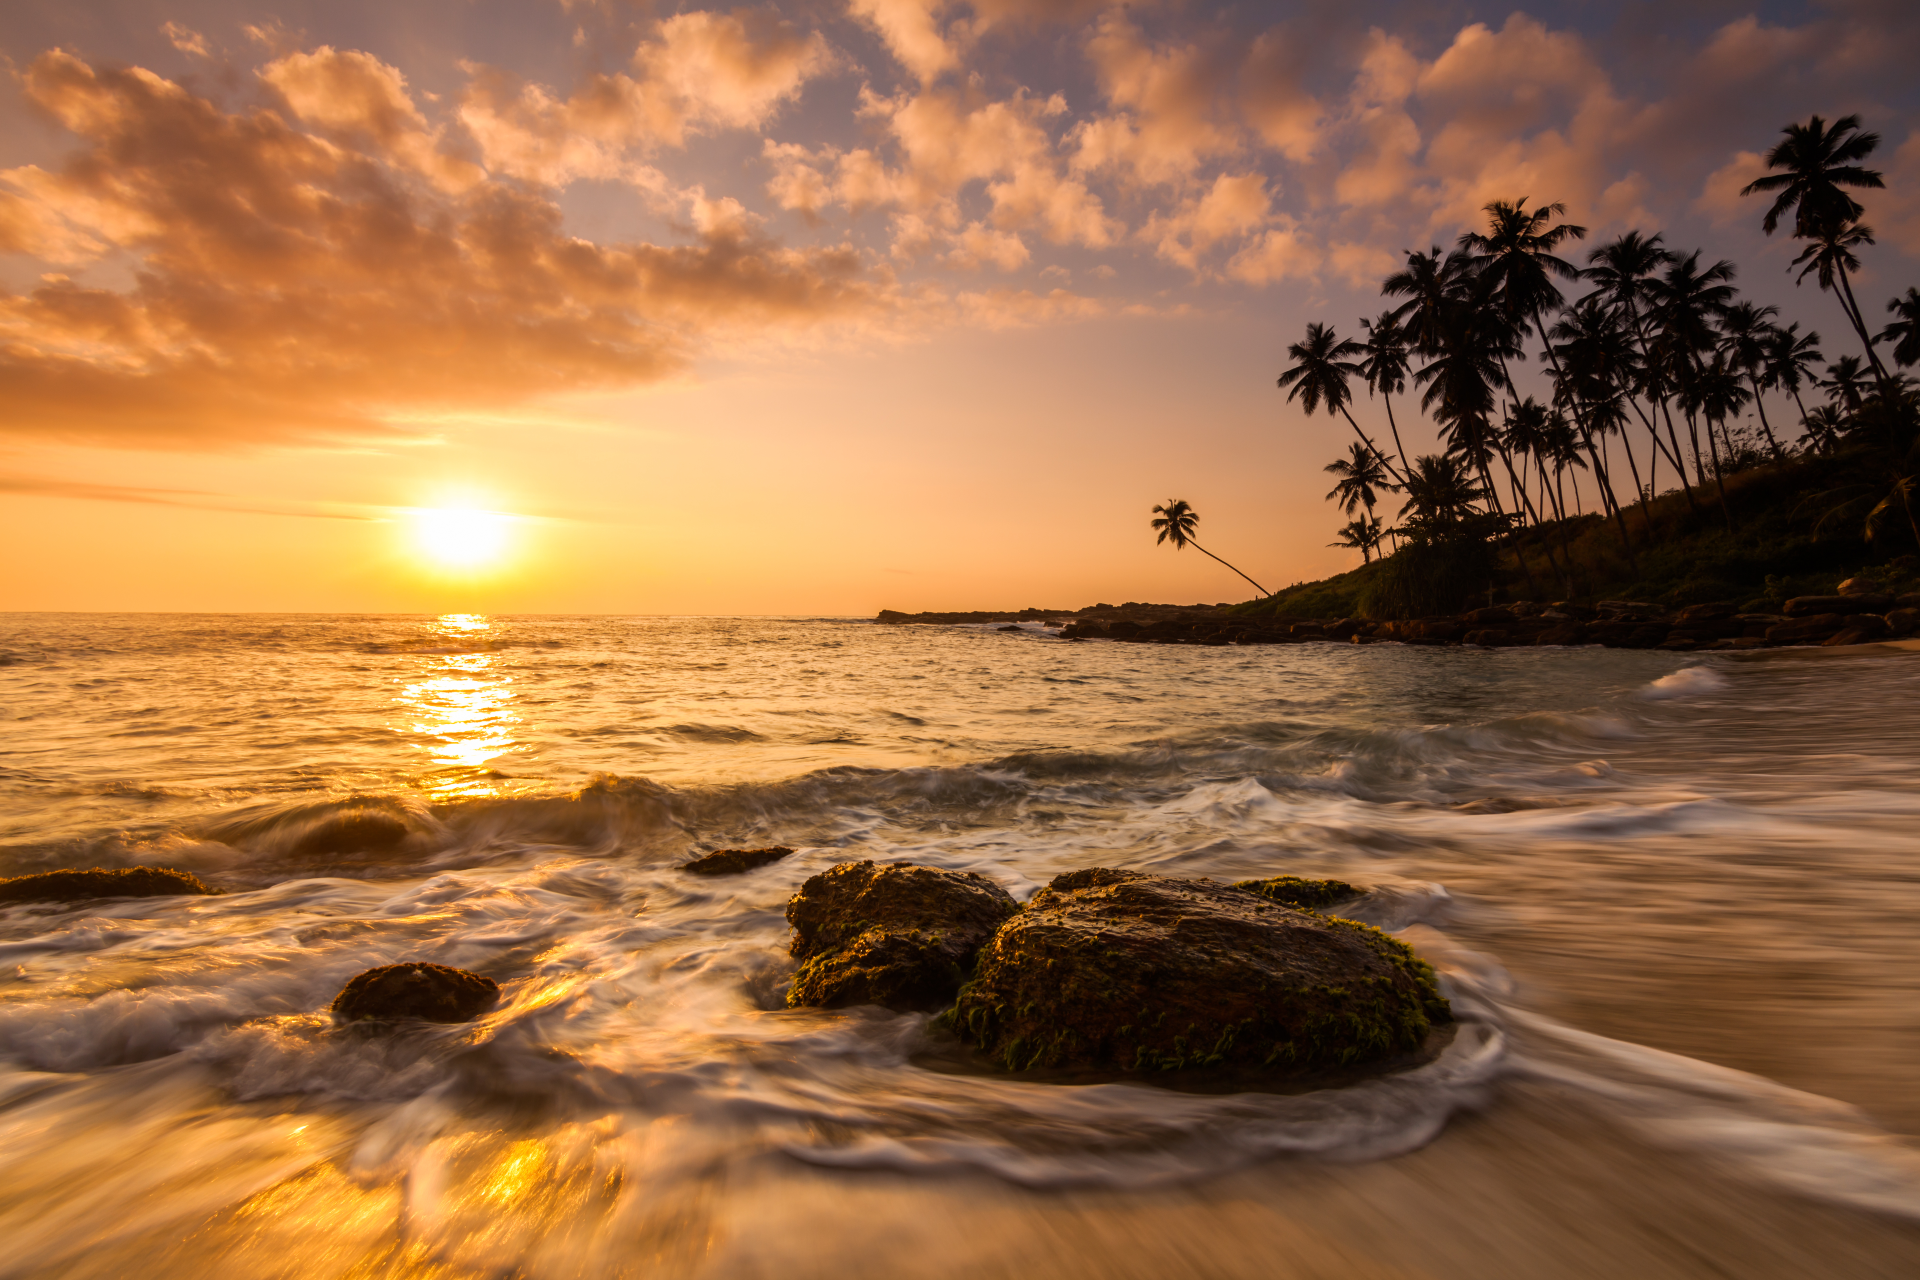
461	537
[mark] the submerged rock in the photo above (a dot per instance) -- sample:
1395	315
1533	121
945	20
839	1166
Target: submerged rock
731	862
1294	891
899	935
1121	970
429	992
101	882
352	831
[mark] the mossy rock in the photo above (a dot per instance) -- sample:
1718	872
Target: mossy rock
419	990
1124	971
1308	895
101	882
900	936
731	862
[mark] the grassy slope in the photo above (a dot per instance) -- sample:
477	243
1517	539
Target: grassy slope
1797	531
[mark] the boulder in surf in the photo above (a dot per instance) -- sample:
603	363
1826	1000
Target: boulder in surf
732	862
418	990
102	882
898	935
1124	971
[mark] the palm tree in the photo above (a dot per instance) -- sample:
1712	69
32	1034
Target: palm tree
1904	331
1829	258
1517	265
1746	329
1434	284
1790	360
1321	366
1385	369
1361	535
1441	491
1623	273
1845	383
1175	520
1824	426
1687	299
1815	163
1362	479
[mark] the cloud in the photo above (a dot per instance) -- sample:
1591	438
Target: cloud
1235	205
198	499
911	30
1164	124
294	286
701	72
185	39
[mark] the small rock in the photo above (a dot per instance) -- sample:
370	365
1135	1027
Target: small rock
899	935
428	992
731	862
100	882
1121	970
1903	622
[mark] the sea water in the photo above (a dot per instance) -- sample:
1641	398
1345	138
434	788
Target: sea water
1673	898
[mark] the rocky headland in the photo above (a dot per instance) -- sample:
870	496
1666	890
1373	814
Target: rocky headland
1850	616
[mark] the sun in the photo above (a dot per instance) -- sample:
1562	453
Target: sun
461	537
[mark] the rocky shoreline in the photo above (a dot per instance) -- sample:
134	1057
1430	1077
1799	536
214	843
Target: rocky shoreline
1847	618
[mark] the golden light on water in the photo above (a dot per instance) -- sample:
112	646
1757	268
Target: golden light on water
460	709
461	537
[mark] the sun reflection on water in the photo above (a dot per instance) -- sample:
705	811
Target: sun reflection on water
459	708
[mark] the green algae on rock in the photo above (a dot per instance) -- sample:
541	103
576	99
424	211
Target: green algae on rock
1294	891
418	989
102	882
901	936
1121	970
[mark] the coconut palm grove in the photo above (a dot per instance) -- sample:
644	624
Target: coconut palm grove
1638	459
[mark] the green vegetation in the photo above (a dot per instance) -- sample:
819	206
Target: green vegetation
1295	891
1651	371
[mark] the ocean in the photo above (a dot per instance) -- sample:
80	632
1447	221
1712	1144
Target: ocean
1675	900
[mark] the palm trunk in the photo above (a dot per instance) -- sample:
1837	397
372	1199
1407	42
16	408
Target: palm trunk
1803	414
1726	512
1852	309
1758	403
1395	428
1371	446
1203	551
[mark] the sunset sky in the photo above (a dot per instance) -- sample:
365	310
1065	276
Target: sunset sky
819	307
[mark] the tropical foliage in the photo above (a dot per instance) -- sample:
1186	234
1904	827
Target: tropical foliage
1653	365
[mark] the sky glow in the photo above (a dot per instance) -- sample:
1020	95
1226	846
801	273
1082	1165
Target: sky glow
824	308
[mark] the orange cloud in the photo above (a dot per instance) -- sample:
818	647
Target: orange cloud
293	286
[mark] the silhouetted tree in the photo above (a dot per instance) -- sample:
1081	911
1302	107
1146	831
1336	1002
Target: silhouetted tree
1321	366
1176	520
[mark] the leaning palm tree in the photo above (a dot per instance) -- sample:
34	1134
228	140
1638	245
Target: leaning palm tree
1362	480
1904	332
1829	259
1816	162
1321	367
1175	521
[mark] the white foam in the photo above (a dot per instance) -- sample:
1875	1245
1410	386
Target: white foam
1687	682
